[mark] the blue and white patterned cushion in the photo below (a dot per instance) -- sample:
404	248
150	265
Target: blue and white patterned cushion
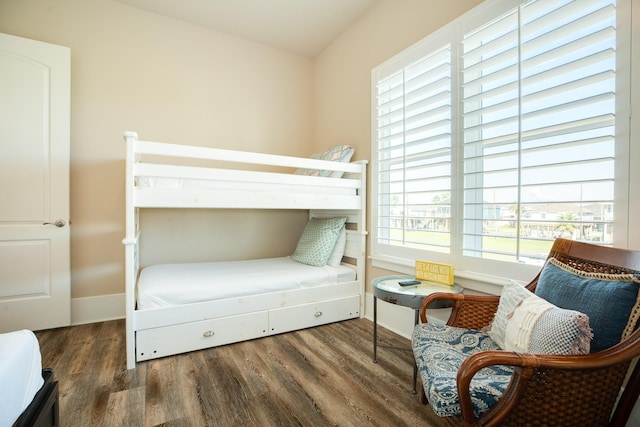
439	351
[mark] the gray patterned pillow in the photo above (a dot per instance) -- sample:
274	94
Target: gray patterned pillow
318	240
560	331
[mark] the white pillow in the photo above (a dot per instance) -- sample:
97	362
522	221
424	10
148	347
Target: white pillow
338	250
527	323
512	294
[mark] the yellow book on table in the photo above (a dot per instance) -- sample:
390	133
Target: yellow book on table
434	272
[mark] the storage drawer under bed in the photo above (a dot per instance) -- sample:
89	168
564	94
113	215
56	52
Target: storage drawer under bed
314	314
181	338
168	340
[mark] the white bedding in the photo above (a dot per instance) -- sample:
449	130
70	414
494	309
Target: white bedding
20	373
174	284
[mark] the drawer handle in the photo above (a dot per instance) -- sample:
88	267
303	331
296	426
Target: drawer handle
208	334
317	314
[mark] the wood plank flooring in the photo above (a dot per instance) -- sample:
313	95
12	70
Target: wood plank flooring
322	376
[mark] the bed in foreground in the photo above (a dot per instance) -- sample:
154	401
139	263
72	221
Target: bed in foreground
29	394
175	308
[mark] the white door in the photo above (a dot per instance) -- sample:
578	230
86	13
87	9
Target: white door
34	184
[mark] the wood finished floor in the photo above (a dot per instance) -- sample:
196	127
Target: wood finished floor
315	377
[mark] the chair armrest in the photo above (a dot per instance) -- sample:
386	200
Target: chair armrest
468	311
540	374
478	361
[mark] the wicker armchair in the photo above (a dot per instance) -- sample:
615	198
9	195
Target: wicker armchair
544	389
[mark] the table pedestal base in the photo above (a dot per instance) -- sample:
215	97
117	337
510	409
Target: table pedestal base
375	341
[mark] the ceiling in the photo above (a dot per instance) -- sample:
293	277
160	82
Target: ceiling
304	27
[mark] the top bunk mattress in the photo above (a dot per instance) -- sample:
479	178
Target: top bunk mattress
20	373
165	285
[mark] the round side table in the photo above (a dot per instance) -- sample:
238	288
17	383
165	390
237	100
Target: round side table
389	290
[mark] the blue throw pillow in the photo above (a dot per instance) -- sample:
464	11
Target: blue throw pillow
610	300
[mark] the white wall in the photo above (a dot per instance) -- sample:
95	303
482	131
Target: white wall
169	81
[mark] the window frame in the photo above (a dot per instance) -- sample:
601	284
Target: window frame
480	269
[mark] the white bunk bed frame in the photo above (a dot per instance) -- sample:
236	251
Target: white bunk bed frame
154	333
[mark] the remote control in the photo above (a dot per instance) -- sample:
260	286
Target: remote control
409	282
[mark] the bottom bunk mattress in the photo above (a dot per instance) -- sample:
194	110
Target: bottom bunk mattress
165	285
20	373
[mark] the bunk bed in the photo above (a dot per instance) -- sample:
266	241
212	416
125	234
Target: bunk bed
180	318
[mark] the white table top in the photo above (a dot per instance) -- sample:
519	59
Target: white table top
388	288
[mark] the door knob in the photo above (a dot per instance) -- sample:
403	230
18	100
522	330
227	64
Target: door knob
58	223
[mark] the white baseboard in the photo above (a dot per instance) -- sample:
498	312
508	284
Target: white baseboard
97	309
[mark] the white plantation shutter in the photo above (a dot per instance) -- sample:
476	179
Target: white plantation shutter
538	126
414	152
490	124
498	133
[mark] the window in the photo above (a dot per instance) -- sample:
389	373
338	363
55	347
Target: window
499	133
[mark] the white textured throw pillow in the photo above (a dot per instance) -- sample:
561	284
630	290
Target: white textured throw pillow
318	240
512	294
533	325
520	324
